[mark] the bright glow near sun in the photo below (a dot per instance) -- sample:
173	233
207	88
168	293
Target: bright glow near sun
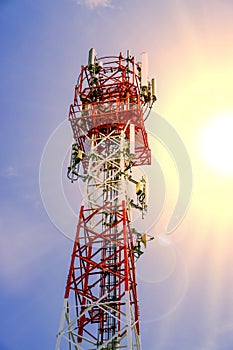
216	143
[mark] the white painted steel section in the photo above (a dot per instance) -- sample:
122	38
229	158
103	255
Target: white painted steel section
62	322
132	139
128	320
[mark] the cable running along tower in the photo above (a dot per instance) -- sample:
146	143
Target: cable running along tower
112	99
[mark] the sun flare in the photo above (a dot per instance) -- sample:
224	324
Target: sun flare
216	143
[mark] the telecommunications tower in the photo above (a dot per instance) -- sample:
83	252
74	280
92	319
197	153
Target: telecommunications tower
112	99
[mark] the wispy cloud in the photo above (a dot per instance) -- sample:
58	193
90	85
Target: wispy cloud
10	172
32	199
92	4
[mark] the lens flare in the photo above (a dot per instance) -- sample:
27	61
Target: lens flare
216	144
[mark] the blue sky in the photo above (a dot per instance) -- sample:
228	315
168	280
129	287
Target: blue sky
185	288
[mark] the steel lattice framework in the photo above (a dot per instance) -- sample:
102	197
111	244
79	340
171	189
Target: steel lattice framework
107	117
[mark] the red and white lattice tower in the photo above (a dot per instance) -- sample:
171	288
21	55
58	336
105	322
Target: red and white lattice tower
112	99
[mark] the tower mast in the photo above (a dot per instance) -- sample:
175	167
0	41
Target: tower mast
112	98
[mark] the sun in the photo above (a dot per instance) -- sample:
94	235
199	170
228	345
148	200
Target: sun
216	143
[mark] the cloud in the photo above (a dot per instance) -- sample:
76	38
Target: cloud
31	198
10	172
92	4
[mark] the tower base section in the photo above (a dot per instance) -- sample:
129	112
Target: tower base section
100	305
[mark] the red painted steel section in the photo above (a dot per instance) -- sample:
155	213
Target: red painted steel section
110	97
69	279
89	264
126	248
